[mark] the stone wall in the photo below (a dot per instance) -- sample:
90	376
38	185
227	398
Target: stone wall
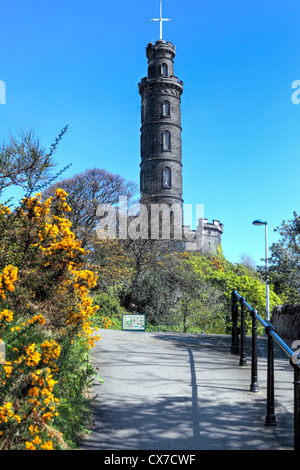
286	320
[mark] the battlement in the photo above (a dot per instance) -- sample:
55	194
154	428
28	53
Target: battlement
160	45
215	225
205	238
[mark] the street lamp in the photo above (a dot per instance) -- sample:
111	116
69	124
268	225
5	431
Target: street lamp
261	222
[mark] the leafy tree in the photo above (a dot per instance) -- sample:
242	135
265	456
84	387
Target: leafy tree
284	263
198	301
152	293
228	277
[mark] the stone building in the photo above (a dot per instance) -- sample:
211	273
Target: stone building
161	144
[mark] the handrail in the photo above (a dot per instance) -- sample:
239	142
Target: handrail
238	347
265	324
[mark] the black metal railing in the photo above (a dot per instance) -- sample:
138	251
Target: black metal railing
238	337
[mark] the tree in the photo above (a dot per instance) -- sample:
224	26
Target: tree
113	264
199	302
86	191
153	294
227	277
149	284
247	261
284	263
24	163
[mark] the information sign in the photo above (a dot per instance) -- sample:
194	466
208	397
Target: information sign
133	322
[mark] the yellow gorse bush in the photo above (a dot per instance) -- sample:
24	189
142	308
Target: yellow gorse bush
8	278
45	305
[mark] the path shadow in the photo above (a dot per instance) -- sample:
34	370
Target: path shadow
195	422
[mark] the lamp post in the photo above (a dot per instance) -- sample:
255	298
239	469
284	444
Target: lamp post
261	222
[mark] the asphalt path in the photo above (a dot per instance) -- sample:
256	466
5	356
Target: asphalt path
164	391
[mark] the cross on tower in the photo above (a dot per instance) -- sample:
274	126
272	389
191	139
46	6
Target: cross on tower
161	19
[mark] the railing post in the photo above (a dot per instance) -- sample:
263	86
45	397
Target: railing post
296	407
235	347
270	417
254	383
243	361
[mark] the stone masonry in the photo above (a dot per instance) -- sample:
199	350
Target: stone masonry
286	320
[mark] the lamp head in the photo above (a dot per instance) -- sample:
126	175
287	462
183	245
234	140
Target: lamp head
259	222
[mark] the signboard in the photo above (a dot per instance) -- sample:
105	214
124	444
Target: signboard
133	322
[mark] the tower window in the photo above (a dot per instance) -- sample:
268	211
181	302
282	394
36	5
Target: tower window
164	70
167	177
166	108
167	140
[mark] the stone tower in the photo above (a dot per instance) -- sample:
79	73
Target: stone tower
161	167
161	149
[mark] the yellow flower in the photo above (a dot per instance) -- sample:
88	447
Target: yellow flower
51	351
61	193
33	356
37	319
6	412
6	315
29	446
7	279
33	430
48	445
4	210
8	369
37	440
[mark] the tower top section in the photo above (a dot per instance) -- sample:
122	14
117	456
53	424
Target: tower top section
161	68
160	49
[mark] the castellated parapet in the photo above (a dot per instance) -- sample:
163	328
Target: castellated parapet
206	238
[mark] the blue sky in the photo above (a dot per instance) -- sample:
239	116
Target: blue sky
79	63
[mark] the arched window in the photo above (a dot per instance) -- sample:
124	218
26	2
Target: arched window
164	70
167	140
167	177
166	108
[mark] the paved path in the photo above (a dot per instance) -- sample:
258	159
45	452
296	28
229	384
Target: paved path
184	392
